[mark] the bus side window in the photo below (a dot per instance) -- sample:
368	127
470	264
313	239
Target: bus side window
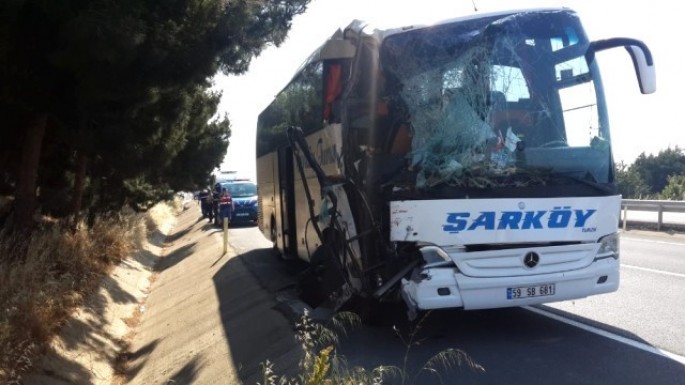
307	95
332	91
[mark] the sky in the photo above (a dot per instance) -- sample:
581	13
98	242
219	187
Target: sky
639	123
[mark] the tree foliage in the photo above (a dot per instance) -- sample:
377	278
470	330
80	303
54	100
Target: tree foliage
629	182
106	103
675	189
653	176
655	170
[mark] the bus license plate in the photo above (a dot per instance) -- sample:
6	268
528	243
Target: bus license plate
530	291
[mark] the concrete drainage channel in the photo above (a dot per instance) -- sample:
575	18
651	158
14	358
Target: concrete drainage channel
205	319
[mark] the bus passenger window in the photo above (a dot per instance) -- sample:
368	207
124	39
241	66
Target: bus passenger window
333	91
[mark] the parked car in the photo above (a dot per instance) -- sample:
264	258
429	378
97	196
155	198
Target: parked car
244	194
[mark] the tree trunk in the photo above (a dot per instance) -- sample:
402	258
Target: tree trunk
79	186
25	196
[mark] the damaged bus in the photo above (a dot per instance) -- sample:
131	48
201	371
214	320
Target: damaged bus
466	164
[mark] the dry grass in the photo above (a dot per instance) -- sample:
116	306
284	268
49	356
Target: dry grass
47	275
162	214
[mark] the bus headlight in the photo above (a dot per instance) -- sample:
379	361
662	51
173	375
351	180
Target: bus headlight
608	247
435	256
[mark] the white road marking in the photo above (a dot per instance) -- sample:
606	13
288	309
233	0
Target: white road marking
653	270
639	345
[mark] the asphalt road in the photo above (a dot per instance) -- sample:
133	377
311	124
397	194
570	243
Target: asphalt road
633	336
650	303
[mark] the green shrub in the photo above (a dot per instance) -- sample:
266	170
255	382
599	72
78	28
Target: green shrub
321	365
675	188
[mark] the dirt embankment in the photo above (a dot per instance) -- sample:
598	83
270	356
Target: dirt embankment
89	344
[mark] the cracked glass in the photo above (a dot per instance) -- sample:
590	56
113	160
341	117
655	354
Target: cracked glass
500	102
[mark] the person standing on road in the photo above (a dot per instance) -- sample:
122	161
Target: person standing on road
205	203
216	195
225	205
210	206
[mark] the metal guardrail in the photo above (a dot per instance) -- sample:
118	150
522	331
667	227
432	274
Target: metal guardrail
651	205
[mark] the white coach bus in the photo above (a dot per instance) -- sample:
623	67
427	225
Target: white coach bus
463	164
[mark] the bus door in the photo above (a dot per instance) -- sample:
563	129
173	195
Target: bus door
286	197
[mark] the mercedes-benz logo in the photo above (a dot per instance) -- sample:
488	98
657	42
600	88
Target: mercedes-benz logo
531	259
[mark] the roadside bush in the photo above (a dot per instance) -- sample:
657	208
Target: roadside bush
48	274
675	189
321	365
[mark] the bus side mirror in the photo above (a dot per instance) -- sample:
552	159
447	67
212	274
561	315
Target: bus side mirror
645	71
639	52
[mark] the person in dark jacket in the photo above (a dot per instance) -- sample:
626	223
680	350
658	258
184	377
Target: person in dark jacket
216	194
205	204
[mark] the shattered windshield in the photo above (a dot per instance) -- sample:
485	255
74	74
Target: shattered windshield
241	190
508	102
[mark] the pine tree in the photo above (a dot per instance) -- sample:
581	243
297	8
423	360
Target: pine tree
117	86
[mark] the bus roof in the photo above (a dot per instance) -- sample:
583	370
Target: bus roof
384	33
359	28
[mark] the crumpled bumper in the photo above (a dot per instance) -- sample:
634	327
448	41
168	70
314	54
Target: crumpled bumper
446	287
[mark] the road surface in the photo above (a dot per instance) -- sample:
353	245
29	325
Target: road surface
633	336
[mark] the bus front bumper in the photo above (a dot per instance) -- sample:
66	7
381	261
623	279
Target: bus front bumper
446	287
